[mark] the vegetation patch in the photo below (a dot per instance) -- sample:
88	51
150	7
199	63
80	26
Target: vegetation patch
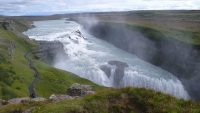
131	100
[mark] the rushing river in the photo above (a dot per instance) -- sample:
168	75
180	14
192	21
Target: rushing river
101	62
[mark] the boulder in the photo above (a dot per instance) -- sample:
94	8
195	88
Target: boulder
54	97
3	102
78	90
38	99
19	100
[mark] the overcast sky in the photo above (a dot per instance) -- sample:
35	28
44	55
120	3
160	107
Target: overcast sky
43	7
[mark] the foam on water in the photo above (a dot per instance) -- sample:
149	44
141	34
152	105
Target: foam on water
86	54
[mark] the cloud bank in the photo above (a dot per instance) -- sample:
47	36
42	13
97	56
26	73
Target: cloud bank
46	7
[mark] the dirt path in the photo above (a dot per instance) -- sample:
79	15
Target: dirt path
36	75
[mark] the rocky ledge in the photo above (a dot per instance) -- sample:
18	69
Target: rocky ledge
75	91
80	90
48	51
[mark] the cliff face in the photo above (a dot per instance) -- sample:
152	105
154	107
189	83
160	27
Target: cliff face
177	57
48	51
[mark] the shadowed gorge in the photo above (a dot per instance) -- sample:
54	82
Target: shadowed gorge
177	57
154	45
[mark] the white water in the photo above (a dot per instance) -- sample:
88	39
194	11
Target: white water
85	56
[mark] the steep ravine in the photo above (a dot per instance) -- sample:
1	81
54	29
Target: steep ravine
177	57
46	51
31	87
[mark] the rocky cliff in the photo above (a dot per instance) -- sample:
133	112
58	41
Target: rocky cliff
48	51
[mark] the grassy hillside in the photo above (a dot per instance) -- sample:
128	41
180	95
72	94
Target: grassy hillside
128	100
163	33
15	74
181	25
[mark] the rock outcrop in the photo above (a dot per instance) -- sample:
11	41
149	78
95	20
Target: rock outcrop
25	100
39	99
3	102
106	69
118	71
48	51
75	91
11	48
19	100
79	90
6	25
54	97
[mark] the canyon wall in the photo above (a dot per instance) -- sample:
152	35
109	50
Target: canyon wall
179	58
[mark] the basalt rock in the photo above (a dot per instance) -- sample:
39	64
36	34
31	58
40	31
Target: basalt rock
54	97
49	51
19	100
6	25
106	69
118	72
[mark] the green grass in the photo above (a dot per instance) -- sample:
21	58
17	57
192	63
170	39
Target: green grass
127	100
186	36
156	32
15	69
57	81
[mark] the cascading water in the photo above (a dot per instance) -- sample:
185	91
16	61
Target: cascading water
101	62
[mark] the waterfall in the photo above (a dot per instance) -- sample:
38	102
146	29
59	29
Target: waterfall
86	55
168	86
